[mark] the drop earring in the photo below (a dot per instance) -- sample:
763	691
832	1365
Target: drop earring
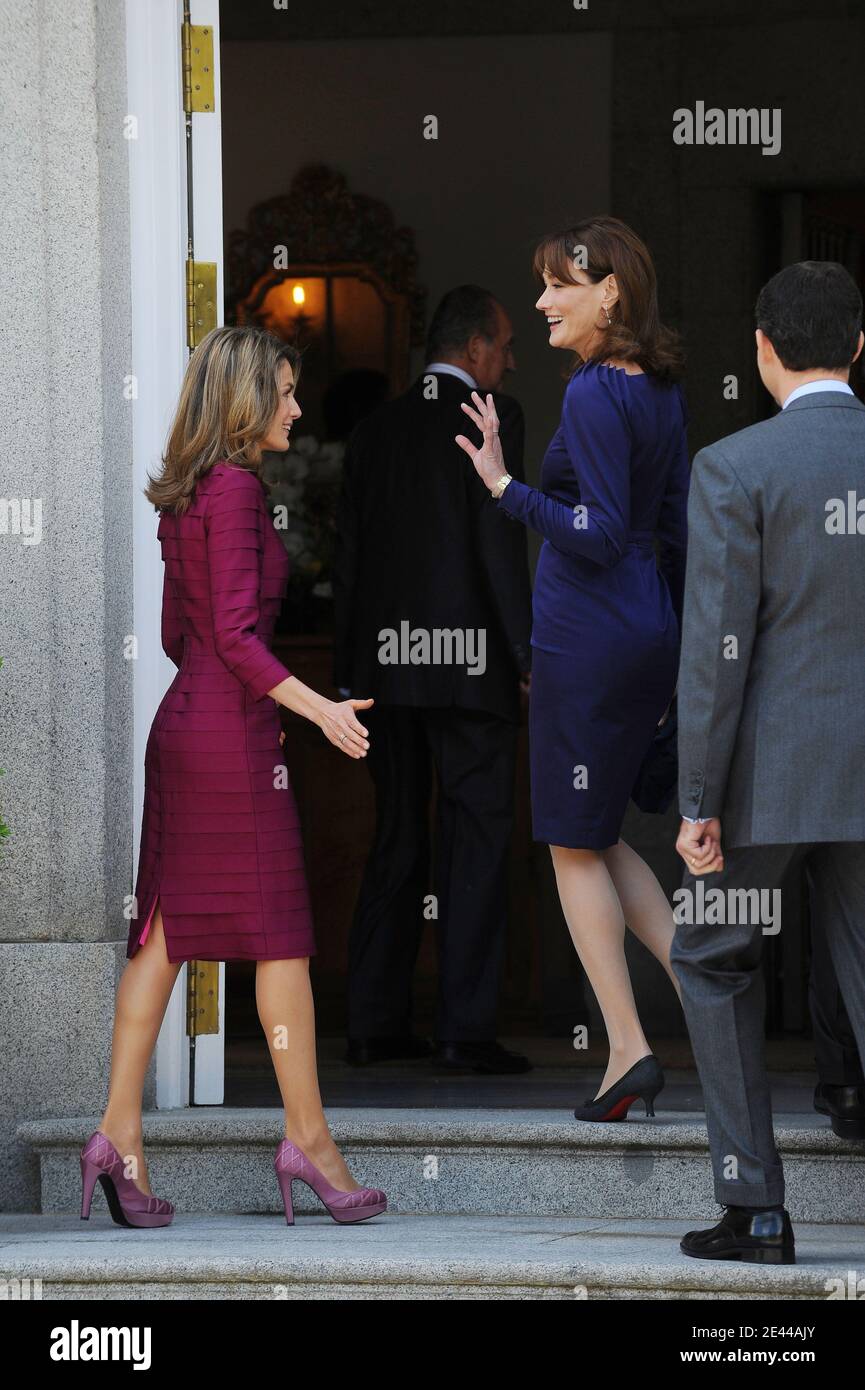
607	312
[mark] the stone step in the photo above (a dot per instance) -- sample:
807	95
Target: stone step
407	1256
470	1162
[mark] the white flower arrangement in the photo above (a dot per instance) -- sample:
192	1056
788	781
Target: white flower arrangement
303	488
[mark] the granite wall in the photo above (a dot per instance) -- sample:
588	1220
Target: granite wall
65	562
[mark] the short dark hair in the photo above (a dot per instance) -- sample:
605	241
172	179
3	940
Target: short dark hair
811	312
460	314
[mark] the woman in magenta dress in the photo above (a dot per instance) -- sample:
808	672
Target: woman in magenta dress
221	871
606	616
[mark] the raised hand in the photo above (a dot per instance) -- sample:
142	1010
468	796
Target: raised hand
488	459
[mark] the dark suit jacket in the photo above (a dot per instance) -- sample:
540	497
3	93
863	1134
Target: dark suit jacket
421	542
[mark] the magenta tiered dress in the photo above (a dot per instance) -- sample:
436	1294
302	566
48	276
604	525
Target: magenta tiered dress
220	843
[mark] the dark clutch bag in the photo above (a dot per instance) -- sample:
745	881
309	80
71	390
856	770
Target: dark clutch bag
658	776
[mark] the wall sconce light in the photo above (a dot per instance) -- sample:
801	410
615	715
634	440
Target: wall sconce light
298	299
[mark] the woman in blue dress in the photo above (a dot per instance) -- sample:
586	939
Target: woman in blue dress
606	613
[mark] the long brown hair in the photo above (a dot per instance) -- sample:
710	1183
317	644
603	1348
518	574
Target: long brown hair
636	333
229	396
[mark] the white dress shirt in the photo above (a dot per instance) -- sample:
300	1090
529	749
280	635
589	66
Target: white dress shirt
451	370
810	386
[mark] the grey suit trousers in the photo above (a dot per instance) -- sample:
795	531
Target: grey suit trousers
718	964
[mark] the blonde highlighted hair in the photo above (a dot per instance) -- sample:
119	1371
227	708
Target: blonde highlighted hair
229	396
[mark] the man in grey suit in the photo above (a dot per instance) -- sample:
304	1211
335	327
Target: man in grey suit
772	727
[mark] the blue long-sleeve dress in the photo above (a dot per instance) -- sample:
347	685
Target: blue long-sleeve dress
606	615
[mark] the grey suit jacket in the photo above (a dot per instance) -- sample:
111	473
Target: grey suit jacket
772	673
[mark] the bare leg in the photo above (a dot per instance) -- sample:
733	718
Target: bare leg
142	998
644	904
595	920
283	994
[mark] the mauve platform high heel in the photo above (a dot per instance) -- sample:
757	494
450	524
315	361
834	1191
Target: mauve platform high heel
346	1207
129	1206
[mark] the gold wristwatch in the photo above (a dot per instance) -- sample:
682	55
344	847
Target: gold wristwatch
500	486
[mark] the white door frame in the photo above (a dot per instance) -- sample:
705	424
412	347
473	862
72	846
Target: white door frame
158	234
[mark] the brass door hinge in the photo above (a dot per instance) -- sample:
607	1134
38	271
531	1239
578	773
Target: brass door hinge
202	998
198	86
200	300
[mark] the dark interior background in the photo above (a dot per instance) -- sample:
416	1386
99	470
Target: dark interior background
548	114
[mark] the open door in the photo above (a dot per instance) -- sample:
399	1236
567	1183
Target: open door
175	171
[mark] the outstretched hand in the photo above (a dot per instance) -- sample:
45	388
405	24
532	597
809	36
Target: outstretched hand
342	727
488	459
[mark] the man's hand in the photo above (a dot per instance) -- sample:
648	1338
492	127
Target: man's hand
700	846
526	682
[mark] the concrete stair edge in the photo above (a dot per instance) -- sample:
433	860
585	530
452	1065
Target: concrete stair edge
468	1163
308	1260
407	1128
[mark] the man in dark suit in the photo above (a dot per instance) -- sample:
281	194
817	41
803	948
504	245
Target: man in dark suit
433	620
772	728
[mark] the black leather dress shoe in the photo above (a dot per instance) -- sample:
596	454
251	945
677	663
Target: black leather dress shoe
750	1234
364	1052
845	1106
489	1058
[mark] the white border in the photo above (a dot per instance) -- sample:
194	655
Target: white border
157	190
